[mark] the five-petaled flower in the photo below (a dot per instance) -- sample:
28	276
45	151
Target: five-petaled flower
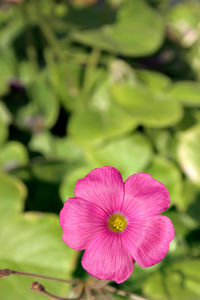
118	223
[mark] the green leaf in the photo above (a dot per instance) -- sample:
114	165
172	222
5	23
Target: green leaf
5	115
13	154
43	143
67	149
165	171
178	280
92	126
26	72
162	140
12	195
51	171
70	179
7	68
186	92
182	222
129	154
42	110
145	107
11	30
155	81
29	242
33	243
183	19
3	132
137	31
7	64
122	72
54	147
188	153
65	79
100	119
190	194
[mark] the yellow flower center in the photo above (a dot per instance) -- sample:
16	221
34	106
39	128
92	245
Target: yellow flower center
117	223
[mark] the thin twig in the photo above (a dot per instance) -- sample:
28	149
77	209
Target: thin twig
39	288
89	294
132	296
106	295
7	272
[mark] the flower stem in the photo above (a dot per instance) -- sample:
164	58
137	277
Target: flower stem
39	288
7	272
122	293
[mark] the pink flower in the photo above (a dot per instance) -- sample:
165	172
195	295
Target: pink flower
118	223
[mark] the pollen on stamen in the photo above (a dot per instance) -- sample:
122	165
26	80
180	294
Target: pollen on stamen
117	223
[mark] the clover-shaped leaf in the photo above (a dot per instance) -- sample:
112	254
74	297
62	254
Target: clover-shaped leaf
137	31
29	242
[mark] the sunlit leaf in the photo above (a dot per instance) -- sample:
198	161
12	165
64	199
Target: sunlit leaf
42	110
65	79
162	140
5	115
34	245
12	155
70	179
12	195
186	92
29	242
190	195
129	154
188	153
182	222
178	280
157	82
137	31
165	171
145	107
101	120
7	69
3	132
50	171
54	147
183	19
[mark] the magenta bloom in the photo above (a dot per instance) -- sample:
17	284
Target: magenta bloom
118	223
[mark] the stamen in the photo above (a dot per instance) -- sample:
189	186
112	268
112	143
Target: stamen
117	223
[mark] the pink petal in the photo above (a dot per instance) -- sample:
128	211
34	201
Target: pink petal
107	258
145	196
148	239
81	221
103	186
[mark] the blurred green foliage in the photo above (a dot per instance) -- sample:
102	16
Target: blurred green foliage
90	83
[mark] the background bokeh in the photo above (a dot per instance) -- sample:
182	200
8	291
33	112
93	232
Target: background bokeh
85	84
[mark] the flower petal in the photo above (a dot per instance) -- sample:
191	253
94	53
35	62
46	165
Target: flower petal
103	186
145	196
107	258
148	239
81	222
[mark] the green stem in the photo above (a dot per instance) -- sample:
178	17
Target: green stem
90	68
30	48
48	32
